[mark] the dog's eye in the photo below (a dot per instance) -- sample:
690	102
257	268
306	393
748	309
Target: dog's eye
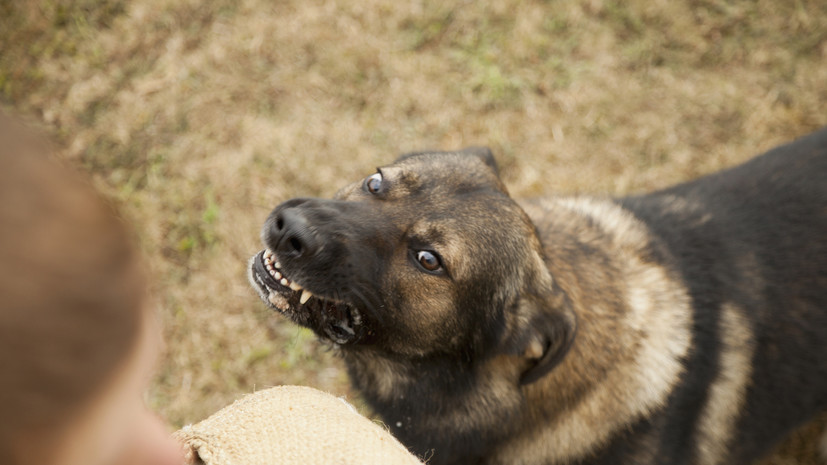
429	261
373	183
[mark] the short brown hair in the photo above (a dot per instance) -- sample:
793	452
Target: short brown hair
71	290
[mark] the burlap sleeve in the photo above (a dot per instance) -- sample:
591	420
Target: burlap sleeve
292	425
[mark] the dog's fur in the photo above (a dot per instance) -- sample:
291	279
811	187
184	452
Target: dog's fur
685	326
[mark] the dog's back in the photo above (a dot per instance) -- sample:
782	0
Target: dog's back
751	245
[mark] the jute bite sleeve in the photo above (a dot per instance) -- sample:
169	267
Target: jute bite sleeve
291	425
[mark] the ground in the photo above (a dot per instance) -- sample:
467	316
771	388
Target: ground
199	117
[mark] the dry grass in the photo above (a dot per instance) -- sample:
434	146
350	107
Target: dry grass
199	117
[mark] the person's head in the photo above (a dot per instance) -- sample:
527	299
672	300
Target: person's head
77	334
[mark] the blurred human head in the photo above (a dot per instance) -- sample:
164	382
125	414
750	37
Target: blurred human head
77	337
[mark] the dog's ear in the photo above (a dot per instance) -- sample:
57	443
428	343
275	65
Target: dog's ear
407	155
484	153
547	331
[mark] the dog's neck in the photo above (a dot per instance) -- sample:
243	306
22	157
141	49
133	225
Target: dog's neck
433	403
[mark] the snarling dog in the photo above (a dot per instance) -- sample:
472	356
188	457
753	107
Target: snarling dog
685	326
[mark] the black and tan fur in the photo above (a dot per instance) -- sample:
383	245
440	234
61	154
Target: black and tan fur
685	326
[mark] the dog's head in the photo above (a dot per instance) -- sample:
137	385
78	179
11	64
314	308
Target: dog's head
428	255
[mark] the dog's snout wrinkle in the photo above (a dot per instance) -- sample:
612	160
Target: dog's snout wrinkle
293	234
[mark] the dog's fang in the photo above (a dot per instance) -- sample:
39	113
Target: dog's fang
306	295
294	286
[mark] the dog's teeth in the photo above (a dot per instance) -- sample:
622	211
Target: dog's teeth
277	275
306	295
278	265
268	253
295	286
284	282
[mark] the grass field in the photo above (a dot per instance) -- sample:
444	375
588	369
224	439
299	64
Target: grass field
199	117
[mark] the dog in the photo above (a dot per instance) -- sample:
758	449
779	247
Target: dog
683	326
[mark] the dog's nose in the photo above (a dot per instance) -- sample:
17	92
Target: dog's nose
293	234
